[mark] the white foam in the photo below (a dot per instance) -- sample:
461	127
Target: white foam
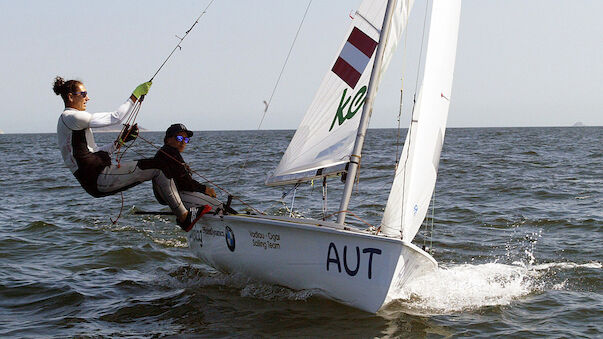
566	265
170	242
464	287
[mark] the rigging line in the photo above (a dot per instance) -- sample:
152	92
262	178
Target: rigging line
404	55
267	103
133	115
432	220
181	39
285	64
283	196
422	42
201	176
427	232
324	198
414	102
125	129
129	120
293	199
352	214
120	209
134	112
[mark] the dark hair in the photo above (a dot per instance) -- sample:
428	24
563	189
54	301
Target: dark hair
63	88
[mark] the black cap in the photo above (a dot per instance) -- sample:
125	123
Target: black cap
177	128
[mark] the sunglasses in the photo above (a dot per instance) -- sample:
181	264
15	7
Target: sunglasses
180	138
83	94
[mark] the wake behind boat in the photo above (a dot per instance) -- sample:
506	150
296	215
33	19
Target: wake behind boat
360	268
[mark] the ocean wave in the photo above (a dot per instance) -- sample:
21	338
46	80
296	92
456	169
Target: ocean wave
465	287
40	226
566	265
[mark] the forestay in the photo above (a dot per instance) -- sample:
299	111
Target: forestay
324	140
415	178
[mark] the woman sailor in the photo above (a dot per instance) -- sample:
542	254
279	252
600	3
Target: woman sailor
91	165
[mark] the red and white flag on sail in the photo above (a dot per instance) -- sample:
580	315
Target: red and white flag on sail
354	56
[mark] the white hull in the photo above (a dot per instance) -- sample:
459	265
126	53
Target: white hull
352	267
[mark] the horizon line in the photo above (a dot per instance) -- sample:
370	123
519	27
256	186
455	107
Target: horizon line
291	129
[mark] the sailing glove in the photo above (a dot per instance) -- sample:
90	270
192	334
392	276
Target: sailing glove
128	134
142	89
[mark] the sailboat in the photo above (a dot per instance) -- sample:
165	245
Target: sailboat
359	268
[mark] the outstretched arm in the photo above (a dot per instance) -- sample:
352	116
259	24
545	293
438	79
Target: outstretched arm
112	118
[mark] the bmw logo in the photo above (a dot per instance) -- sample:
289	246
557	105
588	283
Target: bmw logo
230	239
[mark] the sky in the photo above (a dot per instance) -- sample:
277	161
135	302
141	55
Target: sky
519	63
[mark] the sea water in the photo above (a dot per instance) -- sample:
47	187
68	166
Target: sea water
516	229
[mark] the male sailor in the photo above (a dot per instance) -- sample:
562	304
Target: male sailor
92	166
169	159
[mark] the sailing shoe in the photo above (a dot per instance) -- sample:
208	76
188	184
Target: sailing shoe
194	214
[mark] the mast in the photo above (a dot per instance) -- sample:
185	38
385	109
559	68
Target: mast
366	113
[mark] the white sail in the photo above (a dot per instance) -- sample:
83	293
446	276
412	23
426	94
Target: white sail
415	178
324	140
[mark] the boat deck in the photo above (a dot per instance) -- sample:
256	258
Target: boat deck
311	222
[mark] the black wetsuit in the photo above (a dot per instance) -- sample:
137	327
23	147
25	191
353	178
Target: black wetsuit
169	160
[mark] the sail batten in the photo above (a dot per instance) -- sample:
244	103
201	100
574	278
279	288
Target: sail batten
415	177
311	174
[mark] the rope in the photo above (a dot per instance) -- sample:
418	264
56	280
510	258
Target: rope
293	200
404	54
133	115
432	221
324	198
354	215
120	209
267	103
422	42
282	200
125	131
285	64
181	39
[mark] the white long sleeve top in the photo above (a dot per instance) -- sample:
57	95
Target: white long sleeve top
75	120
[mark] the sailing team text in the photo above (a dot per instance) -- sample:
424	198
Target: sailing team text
265	240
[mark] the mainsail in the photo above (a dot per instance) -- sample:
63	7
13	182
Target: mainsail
323	142
415	178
